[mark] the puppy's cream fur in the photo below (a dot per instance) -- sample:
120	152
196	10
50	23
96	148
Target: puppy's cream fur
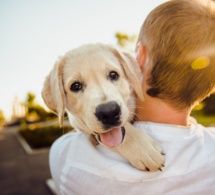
90	65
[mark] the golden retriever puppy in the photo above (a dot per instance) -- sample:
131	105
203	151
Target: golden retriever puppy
97	85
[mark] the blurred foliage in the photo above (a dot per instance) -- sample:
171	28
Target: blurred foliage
205	111
126	41
2	118
206	121
38	136
209	105
35	111
206	107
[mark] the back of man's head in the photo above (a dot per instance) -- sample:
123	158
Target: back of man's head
180	39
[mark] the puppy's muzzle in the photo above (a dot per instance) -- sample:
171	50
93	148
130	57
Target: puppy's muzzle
109	114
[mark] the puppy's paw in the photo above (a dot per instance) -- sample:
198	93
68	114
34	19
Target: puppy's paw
141	150
146	154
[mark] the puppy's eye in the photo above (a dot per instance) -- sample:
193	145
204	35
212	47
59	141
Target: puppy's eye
76	86
114	76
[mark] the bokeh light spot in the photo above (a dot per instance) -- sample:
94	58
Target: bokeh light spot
200	63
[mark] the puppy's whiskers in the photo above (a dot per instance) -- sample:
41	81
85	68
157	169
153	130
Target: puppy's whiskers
136	116
139	117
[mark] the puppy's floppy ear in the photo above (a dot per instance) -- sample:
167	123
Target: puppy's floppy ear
132	71
53	91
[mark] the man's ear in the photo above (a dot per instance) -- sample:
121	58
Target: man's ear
131	69
141	55
53	91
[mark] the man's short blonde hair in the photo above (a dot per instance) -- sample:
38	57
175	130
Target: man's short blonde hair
180	39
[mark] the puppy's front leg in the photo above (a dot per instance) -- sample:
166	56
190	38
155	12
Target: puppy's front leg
141	150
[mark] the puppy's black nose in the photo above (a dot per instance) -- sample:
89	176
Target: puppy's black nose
108	114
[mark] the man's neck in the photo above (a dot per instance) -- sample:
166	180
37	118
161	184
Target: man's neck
158	111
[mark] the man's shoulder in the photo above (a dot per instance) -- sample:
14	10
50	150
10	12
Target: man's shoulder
69	136
209	137
207	131
65	140
210	130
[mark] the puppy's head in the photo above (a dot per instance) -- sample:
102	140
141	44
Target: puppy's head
95	85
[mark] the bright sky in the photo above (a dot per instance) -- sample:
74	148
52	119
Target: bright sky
35	32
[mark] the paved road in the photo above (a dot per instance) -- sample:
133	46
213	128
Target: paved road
20	173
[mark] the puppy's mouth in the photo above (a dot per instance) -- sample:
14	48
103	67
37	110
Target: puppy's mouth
113	137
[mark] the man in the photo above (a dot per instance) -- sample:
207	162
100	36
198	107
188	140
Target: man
176	53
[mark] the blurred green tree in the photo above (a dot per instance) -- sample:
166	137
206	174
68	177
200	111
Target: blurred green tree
34	110
2	118
206	107
126	41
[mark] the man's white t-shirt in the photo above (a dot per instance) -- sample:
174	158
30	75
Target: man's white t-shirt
78	167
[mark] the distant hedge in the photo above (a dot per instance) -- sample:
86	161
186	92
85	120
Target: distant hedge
39	137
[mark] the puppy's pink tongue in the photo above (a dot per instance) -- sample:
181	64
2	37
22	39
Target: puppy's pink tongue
112	138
